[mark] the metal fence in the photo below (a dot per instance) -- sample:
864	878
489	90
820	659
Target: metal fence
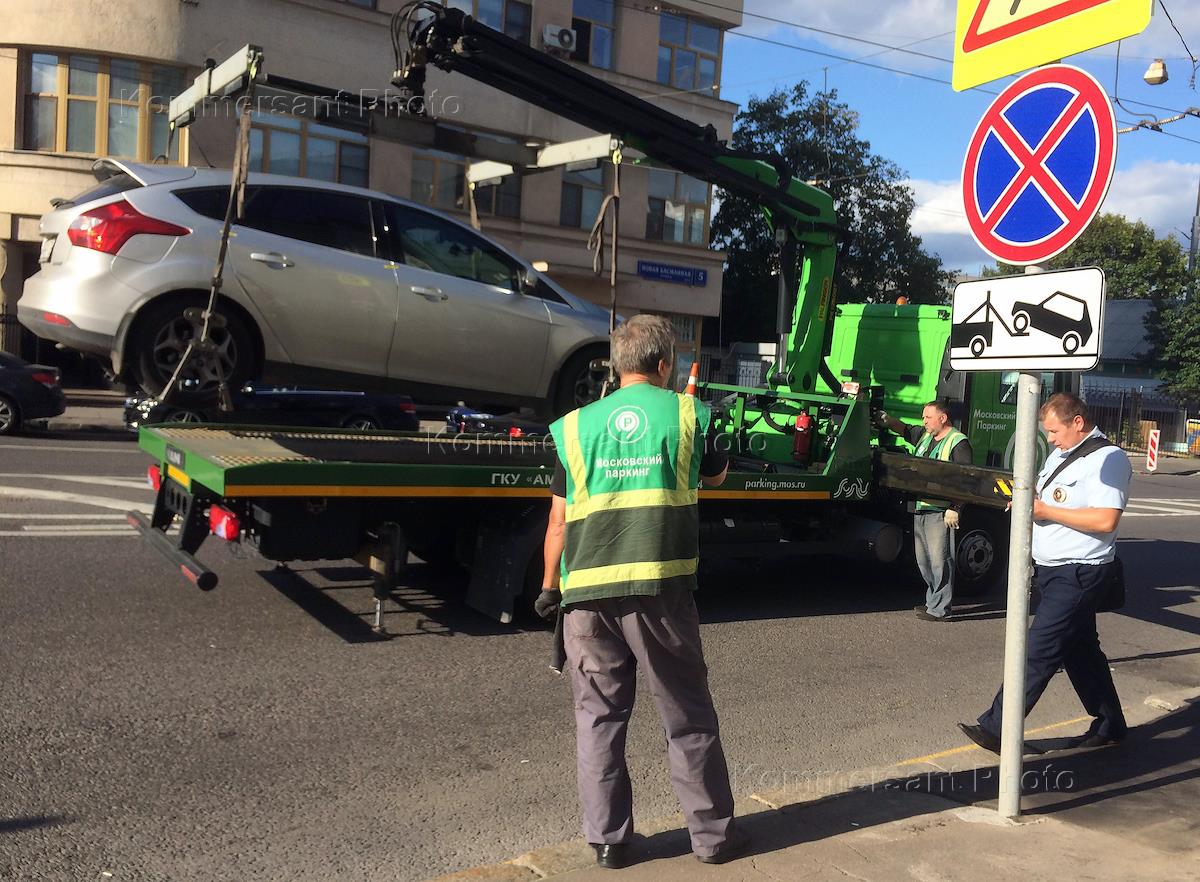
1126	415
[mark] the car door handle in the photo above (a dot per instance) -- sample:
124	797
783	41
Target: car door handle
272	257
430	293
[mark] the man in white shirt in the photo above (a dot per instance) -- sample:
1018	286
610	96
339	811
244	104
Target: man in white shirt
1076	511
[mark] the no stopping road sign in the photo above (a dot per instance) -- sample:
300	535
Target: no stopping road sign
1039	164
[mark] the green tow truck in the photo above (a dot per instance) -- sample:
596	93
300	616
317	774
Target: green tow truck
809	474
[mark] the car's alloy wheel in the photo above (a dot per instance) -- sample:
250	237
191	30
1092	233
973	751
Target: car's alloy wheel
361	424
167	330
581	382
10	419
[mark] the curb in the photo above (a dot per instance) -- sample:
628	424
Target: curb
573	855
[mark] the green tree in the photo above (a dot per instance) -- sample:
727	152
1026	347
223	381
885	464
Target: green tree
1137	264
817	135
1181	354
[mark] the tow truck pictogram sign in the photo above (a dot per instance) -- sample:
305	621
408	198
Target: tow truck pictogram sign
1047	321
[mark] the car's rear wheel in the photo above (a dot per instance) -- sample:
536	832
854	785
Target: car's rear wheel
1021	322
10	416
361	422
578	382
167	328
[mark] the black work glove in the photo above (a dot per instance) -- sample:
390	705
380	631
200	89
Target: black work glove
880	419
547	603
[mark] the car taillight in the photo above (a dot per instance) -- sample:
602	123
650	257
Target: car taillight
224	523
109	227
408	407
46	378
53	318
515	432
154	477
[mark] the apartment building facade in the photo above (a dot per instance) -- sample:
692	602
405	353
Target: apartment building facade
76	87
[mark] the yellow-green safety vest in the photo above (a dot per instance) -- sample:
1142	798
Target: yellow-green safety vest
632	462
941	450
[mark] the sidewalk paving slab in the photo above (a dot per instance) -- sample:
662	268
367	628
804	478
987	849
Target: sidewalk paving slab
1121	813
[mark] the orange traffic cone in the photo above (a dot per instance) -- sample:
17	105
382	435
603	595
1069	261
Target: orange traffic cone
690	391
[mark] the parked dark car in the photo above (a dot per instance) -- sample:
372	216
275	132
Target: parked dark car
274	406
27	392
517	425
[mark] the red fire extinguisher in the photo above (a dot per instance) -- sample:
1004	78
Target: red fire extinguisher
802	442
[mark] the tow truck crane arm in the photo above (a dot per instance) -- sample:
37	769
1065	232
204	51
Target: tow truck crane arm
802	216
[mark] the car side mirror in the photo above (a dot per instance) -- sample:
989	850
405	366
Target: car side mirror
526	282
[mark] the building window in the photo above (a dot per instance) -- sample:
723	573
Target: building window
677	210
689	53
365	4
438	180
502	200
593	23
288	145
512	17
95	105
582	193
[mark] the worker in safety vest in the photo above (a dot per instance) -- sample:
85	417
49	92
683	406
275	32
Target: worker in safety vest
934	520
621	553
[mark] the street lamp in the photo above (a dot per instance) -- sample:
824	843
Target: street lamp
1156	73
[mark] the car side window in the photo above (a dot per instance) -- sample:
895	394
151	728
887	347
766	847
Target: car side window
335	220
207	201
430	243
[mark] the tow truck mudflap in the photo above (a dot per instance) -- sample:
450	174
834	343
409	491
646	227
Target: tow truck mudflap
174	500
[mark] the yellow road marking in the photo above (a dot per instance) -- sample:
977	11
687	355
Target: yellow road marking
954	750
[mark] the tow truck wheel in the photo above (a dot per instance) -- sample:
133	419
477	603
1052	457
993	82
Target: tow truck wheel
977	346
981	553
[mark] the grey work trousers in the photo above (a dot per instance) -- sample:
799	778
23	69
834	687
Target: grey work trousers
606	641
935	559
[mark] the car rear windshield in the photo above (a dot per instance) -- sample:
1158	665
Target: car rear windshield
10	361
118	183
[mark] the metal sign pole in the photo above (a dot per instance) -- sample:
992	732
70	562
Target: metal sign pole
1020	572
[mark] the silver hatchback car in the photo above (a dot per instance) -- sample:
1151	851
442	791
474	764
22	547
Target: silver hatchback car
324	284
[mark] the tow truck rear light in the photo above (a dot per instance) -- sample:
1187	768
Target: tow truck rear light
109	227
154	477
224	523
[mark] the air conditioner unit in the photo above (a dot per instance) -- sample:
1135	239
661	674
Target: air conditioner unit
558	38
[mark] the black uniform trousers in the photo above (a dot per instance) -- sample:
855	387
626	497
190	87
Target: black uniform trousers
1063	635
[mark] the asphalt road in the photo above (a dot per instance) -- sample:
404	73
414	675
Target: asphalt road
153	732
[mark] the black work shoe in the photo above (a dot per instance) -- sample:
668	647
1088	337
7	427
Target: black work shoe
1097	740
926	616
735	846
920	607
981	736
612	855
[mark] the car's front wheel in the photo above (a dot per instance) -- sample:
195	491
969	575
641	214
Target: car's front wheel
10	416
166	330
580	382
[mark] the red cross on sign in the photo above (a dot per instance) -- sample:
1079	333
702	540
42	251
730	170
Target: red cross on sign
1039	165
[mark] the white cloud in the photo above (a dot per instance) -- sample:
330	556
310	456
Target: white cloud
1161	194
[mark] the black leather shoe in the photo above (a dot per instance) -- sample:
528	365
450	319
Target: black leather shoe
981	736
612	855
1097	740
920	607
734	848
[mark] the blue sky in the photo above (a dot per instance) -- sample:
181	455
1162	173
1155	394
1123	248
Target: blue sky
924	126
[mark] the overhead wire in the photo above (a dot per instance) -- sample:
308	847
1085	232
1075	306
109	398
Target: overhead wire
1195	61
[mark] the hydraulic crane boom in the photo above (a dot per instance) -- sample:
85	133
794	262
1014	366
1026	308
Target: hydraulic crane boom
803	217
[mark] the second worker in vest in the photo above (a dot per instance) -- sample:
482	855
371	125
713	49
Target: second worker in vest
934	520
622	548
